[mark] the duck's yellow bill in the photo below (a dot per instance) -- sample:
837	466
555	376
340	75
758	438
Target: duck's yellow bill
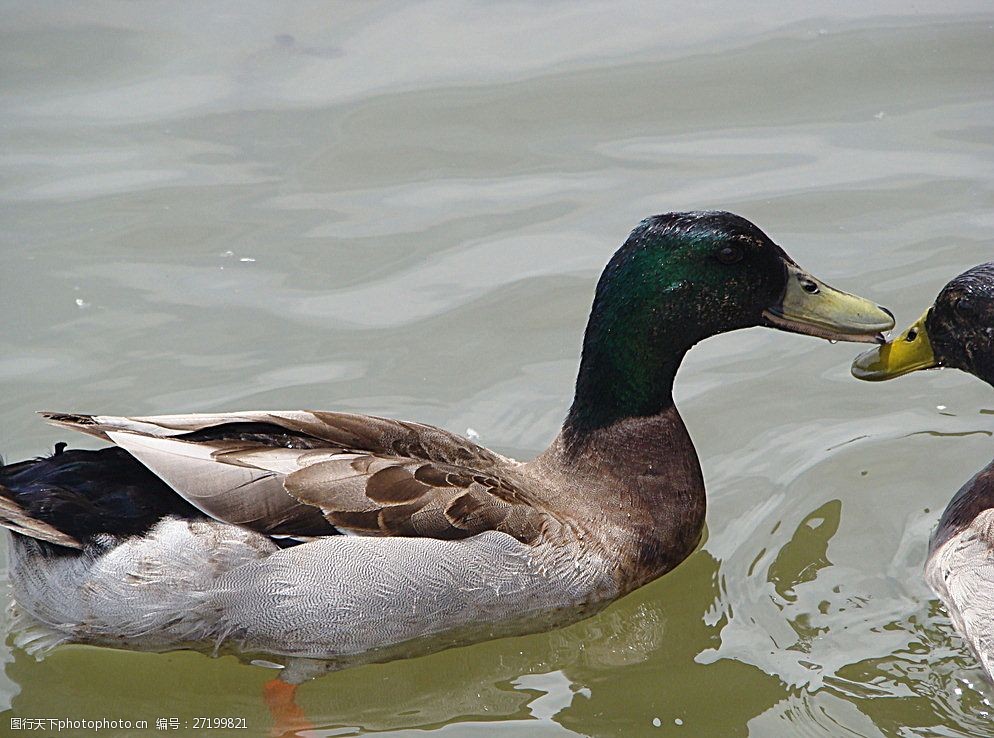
811	307
907	353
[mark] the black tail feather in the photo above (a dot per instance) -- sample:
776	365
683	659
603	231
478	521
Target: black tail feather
76	495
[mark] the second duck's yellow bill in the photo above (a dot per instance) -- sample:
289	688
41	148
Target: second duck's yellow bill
907	353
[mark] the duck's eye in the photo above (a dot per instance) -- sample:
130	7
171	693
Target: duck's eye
730	255
964	305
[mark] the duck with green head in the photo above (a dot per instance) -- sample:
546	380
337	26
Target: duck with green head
228	528
957	331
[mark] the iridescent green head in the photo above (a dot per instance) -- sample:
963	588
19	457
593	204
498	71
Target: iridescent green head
680	278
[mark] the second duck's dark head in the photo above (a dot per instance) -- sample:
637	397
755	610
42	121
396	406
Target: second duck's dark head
957	331
682	277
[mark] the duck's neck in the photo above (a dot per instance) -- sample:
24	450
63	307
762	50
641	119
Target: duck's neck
616	383
637	483
632	349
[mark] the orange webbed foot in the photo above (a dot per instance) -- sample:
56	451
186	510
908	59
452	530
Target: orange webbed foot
288	718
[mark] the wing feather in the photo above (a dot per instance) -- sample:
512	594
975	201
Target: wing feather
310	473
235	494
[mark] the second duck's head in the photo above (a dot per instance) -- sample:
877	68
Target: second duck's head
957	331
682	277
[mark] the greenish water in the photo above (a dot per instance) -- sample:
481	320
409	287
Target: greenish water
402	208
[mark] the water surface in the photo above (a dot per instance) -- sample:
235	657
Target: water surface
401	208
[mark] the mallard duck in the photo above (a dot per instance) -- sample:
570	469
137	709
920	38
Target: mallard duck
956	331
344	537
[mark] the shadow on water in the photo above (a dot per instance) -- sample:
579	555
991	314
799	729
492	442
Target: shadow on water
851	630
